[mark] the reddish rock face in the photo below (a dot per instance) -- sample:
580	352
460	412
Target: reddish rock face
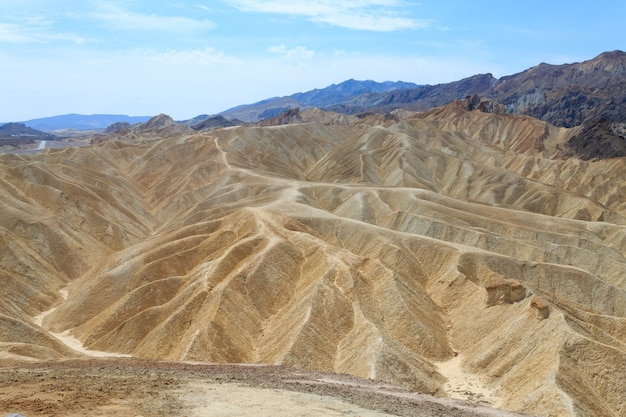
541	306
504	291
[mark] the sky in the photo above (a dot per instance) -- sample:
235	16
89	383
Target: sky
186	58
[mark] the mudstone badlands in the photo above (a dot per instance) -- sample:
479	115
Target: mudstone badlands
404	250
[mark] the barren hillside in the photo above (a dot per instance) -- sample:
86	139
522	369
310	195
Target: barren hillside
385	252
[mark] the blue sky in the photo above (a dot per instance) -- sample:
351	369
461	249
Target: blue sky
185	58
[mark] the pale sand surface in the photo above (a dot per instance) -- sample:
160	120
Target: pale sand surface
70	341
464	385
228	400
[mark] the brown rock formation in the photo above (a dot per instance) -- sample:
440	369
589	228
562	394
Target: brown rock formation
542	307
504	291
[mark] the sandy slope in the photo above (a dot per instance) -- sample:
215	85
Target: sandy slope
380	251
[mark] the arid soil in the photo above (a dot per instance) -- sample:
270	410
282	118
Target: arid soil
114	387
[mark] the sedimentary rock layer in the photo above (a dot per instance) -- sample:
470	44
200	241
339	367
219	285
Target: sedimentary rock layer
377	251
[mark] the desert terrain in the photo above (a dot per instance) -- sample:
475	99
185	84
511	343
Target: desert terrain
113	387
450	253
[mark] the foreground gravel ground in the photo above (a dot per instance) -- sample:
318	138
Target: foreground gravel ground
130	387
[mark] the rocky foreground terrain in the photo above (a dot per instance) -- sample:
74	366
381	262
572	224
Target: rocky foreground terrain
143	388
448	252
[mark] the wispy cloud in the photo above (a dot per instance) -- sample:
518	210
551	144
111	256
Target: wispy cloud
371	15
299	52
121	18
71	37
37	32
202	57
15	33
205	8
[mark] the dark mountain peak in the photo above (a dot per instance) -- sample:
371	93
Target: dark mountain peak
288	117
613	62
334	94
348	84
213	122
611	55
476	82
356	86
157	122
420	98
117	127
9	128
21	130
198	119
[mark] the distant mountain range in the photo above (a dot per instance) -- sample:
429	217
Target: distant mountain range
81	121
564	95
333	95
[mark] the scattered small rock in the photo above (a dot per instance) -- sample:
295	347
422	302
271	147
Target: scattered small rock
542	307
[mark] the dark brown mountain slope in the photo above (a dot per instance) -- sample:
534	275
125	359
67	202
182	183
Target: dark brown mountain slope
564	95
417	99
568	95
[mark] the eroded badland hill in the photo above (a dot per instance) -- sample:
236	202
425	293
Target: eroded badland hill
384	250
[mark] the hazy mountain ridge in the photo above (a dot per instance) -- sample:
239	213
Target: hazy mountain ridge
417	99
338	93
322	98
82	121
20	130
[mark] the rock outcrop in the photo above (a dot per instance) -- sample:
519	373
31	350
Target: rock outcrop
504	291
598	139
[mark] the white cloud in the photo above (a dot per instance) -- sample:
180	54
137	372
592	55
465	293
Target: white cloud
36	33
205	8
202	57
372	15
372	22
70	37
299	52
14	33
121	18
